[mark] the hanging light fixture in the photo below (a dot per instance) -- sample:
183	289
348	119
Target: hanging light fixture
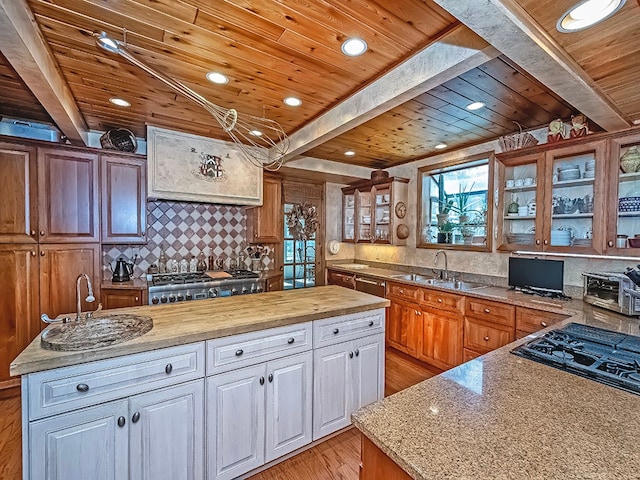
266	150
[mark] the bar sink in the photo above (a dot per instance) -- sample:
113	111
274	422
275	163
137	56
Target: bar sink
96	332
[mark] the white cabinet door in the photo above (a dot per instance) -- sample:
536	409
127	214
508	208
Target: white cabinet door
235	422
331	388
289	394
90	443
166	433
368	371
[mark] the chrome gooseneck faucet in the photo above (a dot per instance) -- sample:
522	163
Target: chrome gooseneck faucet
90	298
446	267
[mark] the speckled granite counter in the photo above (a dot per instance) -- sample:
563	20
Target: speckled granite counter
504	417
190	322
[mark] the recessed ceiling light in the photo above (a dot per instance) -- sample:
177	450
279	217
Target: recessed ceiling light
217	77
121	102
354	47
293	101
349	153
440	146
587	13
475	106
256	133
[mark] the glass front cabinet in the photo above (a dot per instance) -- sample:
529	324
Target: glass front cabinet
553	200
375	212
623	228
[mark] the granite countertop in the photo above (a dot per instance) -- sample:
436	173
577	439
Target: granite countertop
190	322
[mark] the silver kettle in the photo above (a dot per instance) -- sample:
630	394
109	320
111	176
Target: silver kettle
123	271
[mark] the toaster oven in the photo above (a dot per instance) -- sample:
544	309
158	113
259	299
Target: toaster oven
613	291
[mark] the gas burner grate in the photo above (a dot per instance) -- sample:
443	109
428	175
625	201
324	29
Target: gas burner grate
240	273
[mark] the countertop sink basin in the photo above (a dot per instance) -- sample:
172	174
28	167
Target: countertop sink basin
96	332
414	277
461	285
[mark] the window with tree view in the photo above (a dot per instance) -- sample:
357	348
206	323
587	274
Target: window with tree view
455	204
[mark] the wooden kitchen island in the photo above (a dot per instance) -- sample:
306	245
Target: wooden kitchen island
218	387
504	417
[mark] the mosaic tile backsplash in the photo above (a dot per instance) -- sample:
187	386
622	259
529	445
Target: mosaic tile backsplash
183	230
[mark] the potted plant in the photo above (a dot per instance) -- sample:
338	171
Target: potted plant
445	208
462	200
445	232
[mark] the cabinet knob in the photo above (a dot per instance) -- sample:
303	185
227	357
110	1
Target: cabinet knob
537	241
33	233
239	352
544	324
401	291
137	299
357	353
270	377
371	323
135	417
42	253
419	313
336	331
486	310
350	354
439	300
121	421
610	243
42	233
546	242
143	233
168	369
33	254
261	380
486	339
291	340
82	387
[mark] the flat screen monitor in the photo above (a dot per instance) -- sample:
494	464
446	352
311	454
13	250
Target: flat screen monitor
536	274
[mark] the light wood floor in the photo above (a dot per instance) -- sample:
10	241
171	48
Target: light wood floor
336	459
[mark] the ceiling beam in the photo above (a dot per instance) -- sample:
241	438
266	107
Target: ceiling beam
454	53
21	42
509	28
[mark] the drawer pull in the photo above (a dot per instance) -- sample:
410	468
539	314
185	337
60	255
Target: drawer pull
239	352
261	380
486	339
136	417
336	331
544	324
291	340
350	354
82	387
486	310
168	369
121	421
371	323
270	377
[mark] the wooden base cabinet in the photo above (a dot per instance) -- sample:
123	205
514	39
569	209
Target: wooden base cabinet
441	340
376	465
402	324
347	376
121	298
257	414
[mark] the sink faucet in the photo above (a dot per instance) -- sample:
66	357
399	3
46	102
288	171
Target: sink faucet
446	267
90	297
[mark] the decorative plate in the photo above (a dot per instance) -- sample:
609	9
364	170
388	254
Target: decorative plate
334	247
401	210
402	231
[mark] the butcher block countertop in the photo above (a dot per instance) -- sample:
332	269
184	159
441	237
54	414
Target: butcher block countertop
200	320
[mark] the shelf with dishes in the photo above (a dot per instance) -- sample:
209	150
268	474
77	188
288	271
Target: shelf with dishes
572	215
515	216
573	183
523	188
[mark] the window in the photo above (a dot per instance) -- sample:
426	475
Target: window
455	204
299	258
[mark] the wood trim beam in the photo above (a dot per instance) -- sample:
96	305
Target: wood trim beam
23	45
509	28
456	52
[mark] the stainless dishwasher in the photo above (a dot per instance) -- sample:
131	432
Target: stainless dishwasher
370	285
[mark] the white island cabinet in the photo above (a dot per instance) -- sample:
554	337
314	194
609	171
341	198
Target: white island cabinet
218	409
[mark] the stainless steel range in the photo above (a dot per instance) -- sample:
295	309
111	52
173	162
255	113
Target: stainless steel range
184	287
602	355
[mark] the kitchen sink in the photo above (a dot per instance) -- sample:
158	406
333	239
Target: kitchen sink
96	332
414	277
460	285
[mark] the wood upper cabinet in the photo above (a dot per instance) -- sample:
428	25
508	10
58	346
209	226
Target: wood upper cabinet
19	309
18	194
67	196
60	266
123	189
265	223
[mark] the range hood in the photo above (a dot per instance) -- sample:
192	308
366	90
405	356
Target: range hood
27	129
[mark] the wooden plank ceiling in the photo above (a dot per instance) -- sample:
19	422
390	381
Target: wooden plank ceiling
608	52
17	101
269	50
412	130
